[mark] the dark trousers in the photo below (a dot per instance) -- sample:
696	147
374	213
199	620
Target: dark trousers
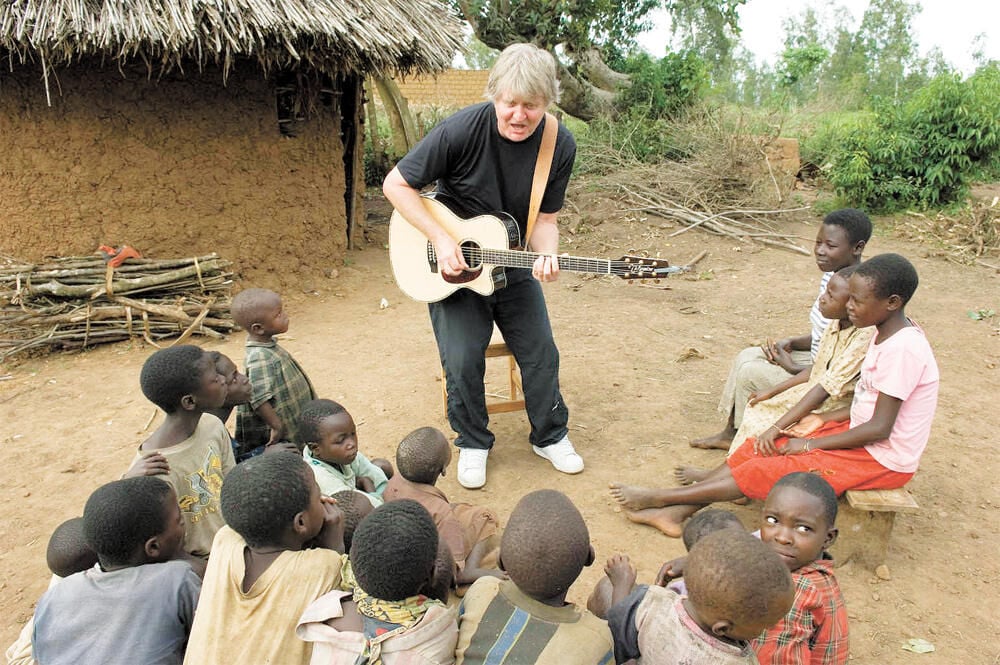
463	325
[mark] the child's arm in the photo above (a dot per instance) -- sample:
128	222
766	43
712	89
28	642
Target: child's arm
154	464
795	380
331	536
876	429
813	398
780	352
267	413
471	571
622	574
371	478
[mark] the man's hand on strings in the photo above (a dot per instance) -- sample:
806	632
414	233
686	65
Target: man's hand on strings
451	262
546	268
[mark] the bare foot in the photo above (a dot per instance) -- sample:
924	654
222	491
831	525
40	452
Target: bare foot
620	571
669	520
718	441
633	498
687	475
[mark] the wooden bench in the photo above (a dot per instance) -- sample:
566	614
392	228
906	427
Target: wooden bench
865	520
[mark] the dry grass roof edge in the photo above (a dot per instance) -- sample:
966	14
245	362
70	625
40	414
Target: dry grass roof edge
331	36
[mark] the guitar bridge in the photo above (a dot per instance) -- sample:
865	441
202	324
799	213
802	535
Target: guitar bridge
432	258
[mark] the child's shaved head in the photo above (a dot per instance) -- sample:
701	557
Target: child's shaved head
355	507
248	304
817	486
545	544
68	551
733	577
422	454
708	521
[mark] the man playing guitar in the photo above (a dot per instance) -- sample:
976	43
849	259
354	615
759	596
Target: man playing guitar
483	157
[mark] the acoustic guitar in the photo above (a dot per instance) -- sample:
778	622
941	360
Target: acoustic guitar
488	244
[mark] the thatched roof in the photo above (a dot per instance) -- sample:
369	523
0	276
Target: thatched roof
332	36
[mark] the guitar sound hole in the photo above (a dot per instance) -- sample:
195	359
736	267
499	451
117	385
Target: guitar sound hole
472	253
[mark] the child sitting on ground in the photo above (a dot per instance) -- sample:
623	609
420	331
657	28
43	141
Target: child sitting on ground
67	553
329	439
191	450
280	551
878	448
279	387
390	617
135	606
544	547
470	531
798	523
841	240
737	587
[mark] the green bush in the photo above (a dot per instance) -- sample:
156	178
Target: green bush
663	88
922	153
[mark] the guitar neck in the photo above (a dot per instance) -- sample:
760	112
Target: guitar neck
508	258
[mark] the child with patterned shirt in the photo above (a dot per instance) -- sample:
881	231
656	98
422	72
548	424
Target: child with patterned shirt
191	450
798	523
329	441
279	386
389	617
526	619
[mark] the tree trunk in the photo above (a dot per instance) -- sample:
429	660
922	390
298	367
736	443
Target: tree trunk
404	129
583	100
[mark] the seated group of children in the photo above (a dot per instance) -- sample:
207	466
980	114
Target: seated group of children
285	544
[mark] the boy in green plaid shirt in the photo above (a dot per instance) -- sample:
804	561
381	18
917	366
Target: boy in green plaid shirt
279	386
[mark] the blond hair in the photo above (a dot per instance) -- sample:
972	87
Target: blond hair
524	71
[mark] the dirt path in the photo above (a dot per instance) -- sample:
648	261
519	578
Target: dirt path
642	367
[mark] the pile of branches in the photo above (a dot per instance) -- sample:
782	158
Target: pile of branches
721	182
973	236
80	301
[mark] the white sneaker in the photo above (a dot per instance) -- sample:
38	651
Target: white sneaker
562	455
472	467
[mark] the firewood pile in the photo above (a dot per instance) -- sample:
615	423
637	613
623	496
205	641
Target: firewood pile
80	301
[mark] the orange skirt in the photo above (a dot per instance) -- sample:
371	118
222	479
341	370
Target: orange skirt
848	469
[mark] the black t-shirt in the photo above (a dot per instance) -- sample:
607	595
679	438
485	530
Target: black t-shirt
484	172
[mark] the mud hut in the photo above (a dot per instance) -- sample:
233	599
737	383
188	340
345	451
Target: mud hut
184	127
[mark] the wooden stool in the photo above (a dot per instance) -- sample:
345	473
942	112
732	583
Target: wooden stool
865	521
514	400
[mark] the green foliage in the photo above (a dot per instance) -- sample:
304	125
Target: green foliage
922	153
633	137
662	88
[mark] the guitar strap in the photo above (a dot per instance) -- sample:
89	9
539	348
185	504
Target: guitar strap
543	166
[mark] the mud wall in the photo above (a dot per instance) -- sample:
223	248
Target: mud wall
178	166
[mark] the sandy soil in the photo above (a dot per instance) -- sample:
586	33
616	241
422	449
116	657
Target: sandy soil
642	367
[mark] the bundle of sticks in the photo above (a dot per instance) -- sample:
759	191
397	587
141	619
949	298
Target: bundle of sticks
80	301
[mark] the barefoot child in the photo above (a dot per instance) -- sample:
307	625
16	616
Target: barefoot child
737	588
280	551
390	617
544	547
329	440
191	450
798	523
841	240
280	388
471	532
136	605
878	448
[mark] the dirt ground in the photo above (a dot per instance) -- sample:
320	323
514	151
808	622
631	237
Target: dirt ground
642	366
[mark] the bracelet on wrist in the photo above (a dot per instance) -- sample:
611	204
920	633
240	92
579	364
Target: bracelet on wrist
806	448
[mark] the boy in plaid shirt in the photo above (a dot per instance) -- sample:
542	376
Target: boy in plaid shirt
279	386
798	523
